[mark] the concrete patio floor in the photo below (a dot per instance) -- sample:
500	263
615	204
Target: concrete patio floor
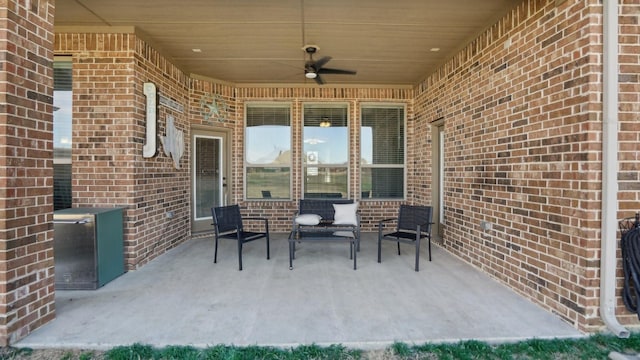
183	298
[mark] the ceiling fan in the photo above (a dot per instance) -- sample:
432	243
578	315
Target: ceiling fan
313	69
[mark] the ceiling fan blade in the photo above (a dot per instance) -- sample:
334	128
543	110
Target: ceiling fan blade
322	61
336	71
319	80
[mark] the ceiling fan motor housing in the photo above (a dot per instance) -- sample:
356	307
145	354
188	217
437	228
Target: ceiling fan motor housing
311	49
310	71
314	68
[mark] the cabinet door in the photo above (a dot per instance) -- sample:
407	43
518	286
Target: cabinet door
109	240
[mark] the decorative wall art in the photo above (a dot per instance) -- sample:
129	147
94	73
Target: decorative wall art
213	107
173	142
170	103
151	94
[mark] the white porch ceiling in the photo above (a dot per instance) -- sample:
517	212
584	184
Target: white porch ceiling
260	42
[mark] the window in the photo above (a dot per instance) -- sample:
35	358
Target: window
326	151
62	114
268	152
382	151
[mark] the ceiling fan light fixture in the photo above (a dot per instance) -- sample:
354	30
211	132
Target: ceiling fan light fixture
310	75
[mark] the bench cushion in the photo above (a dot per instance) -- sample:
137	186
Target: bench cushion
308	219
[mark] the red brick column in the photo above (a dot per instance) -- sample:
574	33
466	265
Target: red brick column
26	167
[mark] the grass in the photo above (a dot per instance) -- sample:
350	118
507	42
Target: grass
588	348
232	353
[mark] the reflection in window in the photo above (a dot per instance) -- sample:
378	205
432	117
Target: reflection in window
326	151
62	114
382	151
268	152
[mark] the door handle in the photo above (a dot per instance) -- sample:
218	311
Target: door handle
74	221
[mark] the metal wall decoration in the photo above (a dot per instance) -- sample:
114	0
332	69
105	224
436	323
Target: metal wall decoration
173	142
151	94
213	106
170	103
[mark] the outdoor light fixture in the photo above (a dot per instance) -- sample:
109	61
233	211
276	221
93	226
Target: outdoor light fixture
310	75
325	122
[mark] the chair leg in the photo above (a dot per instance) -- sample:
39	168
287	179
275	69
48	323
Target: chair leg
417	251
240	254
215	254
429	238
379	248
266	228
353	245
291	245
379	241
398	247
268	254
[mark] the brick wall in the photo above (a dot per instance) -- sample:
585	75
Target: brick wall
159	186
109	169
26	168
522	113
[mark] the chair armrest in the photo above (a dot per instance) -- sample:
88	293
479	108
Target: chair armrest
265	220
425	227
254	218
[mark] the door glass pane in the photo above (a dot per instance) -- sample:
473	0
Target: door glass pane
207	171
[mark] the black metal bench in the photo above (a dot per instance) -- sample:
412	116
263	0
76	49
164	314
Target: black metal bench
326	230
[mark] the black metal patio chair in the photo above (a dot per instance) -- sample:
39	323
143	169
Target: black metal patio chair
228	224
413	224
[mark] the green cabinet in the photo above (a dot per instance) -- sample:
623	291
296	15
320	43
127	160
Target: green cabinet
88	247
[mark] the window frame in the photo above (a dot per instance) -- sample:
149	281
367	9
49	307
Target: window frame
347	165
266	104
385	105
